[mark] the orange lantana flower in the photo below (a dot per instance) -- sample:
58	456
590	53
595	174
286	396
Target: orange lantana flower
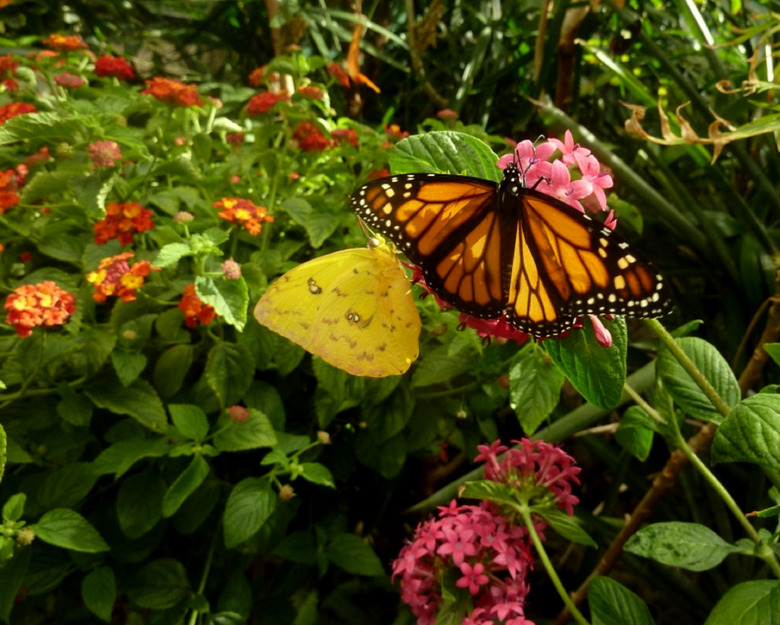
14	109
42	304
122	221
244	213
65	42
173	92
114	276
195	311
263	102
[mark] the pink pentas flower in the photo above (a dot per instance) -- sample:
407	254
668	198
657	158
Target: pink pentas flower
466	540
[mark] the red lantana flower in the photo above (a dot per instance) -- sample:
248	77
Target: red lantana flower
66	43
41	156
345	135
69	81
195	311
105	153
14	109
310	138
108	65
42	304
263	102
115	277
334	69
122	221
311	92
10	181
173	92
244	213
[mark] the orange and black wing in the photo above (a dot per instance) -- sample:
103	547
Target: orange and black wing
449	227
564	264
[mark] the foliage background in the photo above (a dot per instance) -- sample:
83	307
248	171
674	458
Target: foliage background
508	69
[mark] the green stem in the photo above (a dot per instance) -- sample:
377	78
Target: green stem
576	614
669	343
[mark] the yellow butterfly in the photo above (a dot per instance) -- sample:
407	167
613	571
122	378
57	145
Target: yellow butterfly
353	308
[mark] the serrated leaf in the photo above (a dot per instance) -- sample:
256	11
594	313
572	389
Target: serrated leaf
68	529
43	184
317	474
171	369
139	401
98	591
13	508
248	507
139	503
445	152
229	298
122	455
253	433
171	254
65	486
229	371
687	545
351	553
190	420
184	485
685	391
748	603
751	433
91	191
612	603
534	388
40	126
128	366
598	373
160	585
439	366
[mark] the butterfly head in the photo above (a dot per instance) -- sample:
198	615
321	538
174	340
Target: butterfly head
513	182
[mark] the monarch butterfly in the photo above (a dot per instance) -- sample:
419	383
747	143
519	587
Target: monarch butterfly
353	308
491	249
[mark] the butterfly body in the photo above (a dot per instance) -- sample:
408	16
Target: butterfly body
492	249
353	308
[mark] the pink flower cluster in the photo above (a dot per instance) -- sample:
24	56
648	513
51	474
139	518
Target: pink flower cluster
481	547
555	177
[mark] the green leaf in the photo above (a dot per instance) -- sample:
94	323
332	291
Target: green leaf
139	401
534	388
565	525
687	545
139	503
500	494
171	369
748	603
65	486
445	152
596	372
229	298
229	371
387	458
185	485
11	577
3	451
98	591
612	603
634	435
160	585
120	456
439	366
171	254
190	420
773	349
684	390
74	408
40	126
13	509
253	433
43	184
299	547
127	366
355	556
317	473
91	191
68	529
61	246
751	433
389	417
248	507
320	225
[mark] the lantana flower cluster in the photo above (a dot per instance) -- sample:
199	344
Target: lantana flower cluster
173	92
482	547
42	304
10	181
244	213
195	311
116	277
122	221
108	65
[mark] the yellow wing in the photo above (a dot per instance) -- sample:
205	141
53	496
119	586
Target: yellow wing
353	308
